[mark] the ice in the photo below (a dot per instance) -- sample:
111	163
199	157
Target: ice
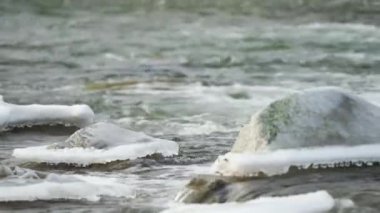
67	187
315	202
279	162
87	156
12	115
99	143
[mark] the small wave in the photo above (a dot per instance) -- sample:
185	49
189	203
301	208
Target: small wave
202	129
280	161
186	126
341	26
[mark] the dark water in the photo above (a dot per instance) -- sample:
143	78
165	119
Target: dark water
191	70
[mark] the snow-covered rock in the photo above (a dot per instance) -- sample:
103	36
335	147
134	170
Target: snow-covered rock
12	115
316	130
316	117
98	143
324	126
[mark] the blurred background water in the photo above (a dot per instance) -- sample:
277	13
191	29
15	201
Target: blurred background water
189	70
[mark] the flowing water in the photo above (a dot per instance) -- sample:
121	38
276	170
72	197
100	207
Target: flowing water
191	71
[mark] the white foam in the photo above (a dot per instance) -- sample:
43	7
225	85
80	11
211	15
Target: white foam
341	26
279	161
316	202
86	156
205	128
12	115
70	187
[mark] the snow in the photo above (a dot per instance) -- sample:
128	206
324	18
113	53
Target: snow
68	187
98	143
316	202
279	161
12	115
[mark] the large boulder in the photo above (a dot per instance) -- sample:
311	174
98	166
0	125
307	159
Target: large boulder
317	117
317	139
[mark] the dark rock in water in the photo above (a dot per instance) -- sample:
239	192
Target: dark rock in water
349	183
6	171
55	130
318	117
147	161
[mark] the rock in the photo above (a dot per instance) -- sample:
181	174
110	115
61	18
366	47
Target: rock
15	171
317	117
339	182
99	143
18	116
5	171
297	145
103	135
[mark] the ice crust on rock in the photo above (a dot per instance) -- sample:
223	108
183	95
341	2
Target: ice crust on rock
316	202
12	115
98	143
316	117
63	187
279	161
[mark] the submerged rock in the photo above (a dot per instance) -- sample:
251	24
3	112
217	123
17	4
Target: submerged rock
103	135
318	117
99	143
15	171
5	171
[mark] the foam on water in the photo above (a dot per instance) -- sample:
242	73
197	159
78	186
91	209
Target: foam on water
316	202
67	187
209	93
12	115
185	126
279	162
341	26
